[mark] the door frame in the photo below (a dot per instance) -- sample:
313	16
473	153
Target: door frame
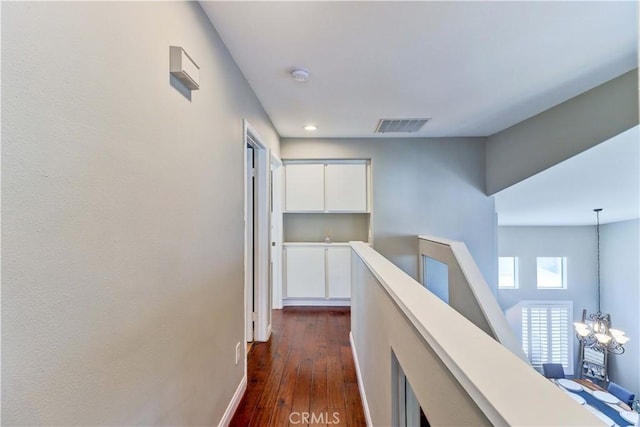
249	242
258	291
277	190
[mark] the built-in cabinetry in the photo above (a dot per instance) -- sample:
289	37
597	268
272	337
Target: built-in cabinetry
327	203
338	272
304	188
317	271
332	187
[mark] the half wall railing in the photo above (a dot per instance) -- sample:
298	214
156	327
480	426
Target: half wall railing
469	293
459	374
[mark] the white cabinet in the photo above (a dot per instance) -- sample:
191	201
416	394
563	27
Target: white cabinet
305	272
304	187
346	187
326	187
318	273
339	272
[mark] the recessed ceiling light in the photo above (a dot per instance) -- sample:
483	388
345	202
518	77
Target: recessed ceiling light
300	74
311	127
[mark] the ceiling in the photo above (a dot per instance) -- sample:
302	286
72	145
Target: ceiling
474	68
606	176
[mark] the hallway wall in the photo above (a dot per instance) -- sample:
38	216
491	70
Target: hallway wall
122	293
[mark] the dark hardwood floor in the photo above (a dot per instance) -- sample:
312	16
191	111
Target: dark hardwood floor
305	374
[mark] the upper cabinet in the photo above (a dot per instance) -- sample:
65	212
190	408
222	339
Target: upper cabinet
304	187
345	188
326	187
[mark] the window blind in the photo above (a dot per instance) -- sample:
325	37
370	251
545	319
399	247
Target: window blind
546	333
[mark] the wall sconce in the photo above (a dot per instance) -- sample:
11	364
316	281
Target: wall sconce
184	68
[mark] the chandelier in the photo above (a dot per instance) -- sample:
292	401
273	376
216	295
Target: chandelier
594	331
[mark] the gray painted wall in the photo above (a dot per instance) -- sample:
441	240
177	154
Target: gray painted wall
314	227
620	282
122	224
563	131
431	186
578	244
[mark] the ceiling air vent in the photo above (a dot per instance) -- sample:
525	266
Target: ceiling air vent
400	125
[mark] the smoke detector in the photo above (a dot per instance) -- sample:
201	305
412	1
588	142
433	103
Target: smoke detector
300	74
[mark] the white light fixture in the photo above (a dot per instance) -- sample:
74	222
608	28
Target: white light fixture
596	333
311	127
300	74
184	68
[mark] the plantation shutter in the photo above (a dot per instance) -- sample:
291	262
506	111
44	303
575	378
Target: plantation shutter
546	333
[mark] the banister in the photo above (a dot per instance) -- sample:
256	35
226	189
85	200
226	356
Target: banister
485	299
501	385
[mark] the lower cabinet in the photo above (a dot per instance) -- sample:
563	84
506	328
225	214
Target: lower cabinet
305	272
318	272
339	272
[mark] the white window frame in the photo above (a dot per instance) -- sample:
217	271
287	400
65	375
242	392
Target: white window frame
563	263
565	339
516	281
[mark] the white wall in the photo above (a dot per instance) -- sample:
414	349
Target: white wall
122	216
563	131
620	275
578	244
431	186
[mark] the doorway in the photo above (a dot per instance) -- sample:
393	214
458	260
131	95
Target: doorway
257	241
406	410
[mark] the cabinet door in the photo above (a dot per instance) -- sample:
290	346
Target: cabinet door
304	187
339	272
346	188
305	272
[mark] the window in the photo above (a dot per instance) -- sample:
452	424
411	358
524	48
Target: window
546	333
507	272
551	272
436	277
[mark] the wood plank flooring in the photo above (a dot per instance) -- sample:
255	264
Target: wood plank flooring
305	374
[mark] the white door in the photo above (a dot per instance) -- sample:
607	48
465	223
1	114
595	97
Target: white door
339	272
305	272
257	302
346	188
304	187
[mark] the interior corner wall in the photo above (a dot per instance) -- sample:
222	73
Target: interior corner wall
561	132
431	186
578	244
122	215
620	283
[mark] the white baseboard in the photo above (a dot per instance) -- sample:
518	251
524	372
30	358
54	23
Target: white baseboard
320	302
363	395
233	405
